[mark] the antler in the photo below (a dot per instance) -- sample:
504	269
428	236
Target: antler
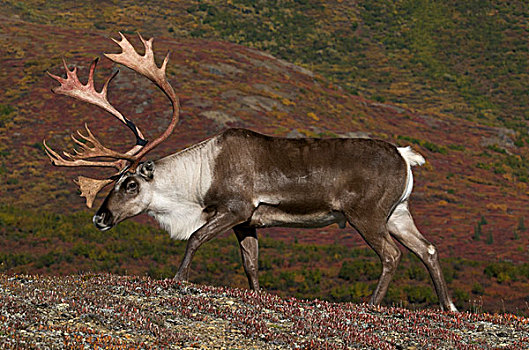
78	159
90	187
71	86
146	66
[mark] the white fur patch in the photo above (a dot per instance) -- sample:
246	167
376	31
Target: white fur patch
431	250
180	183
453	308
411	158
181	221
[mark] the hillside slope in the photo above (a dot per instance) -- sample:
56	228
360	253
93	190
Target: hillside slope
223	85
467	59
109	311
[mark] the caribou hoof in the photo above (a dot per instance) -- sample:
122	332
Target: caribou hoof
180	277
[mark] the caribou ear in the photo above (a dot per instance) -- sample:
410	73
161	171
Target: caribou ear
147	170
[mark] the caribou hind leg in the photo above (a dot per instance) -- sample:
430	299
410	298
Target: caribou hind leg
247	237
402	227
376	235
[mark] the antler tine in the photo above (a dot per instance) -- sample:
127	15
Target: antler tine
146	66
71	86
89	187
57	160
97	151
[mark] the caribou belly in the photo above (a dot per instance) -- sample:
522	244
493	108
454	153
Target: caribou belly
270	216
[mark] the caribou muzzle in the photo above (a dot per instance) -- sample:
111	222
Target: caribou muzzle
103	220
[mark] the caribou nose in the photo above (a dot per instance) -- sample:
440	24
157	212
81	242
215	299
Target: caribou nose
102	220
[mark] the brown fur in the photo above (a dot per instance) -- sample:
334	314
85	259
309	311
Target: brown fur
303	177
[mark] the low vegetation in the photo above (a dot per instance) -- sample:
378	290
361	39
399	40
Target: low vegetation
109	311
54	244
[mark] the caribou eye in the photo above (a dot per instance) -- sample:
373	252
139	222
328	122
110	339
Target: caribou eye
132	187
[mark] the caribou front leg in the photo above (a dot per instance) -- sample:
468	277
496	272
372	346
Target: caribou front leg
222	221
247	237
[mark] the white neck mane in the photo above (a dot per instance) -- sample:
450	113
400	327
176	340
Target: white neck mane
180	183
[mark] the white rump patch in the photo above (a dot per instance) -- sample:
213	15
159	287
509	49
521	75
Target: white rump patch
411	158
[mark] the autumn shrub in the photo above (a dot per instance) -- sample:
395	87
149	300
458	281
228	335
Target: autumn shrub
490	238
504	271
449	272
340	293
162	271
477	289
417	272
418	294
461	298
5	114
10	260
432	147
267	280
356	292
359	269
50	258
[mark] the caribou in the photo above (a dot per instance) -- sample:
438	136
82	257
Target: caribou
243	180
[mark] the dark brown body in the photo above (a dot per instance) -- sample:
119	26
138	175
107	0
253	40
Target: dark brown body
306	182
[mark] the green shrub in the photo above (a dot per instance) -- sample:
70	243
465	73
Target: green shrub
359	269
478	289
461	298
420	295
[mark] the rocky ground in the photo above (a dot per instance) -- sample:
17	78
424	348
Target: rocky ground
117	312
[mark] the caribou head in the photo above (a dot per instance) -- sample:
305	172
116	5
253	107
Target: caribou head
130	194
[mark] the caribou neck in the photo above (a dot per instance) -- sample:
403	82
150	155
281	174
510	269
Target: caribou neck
179	186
